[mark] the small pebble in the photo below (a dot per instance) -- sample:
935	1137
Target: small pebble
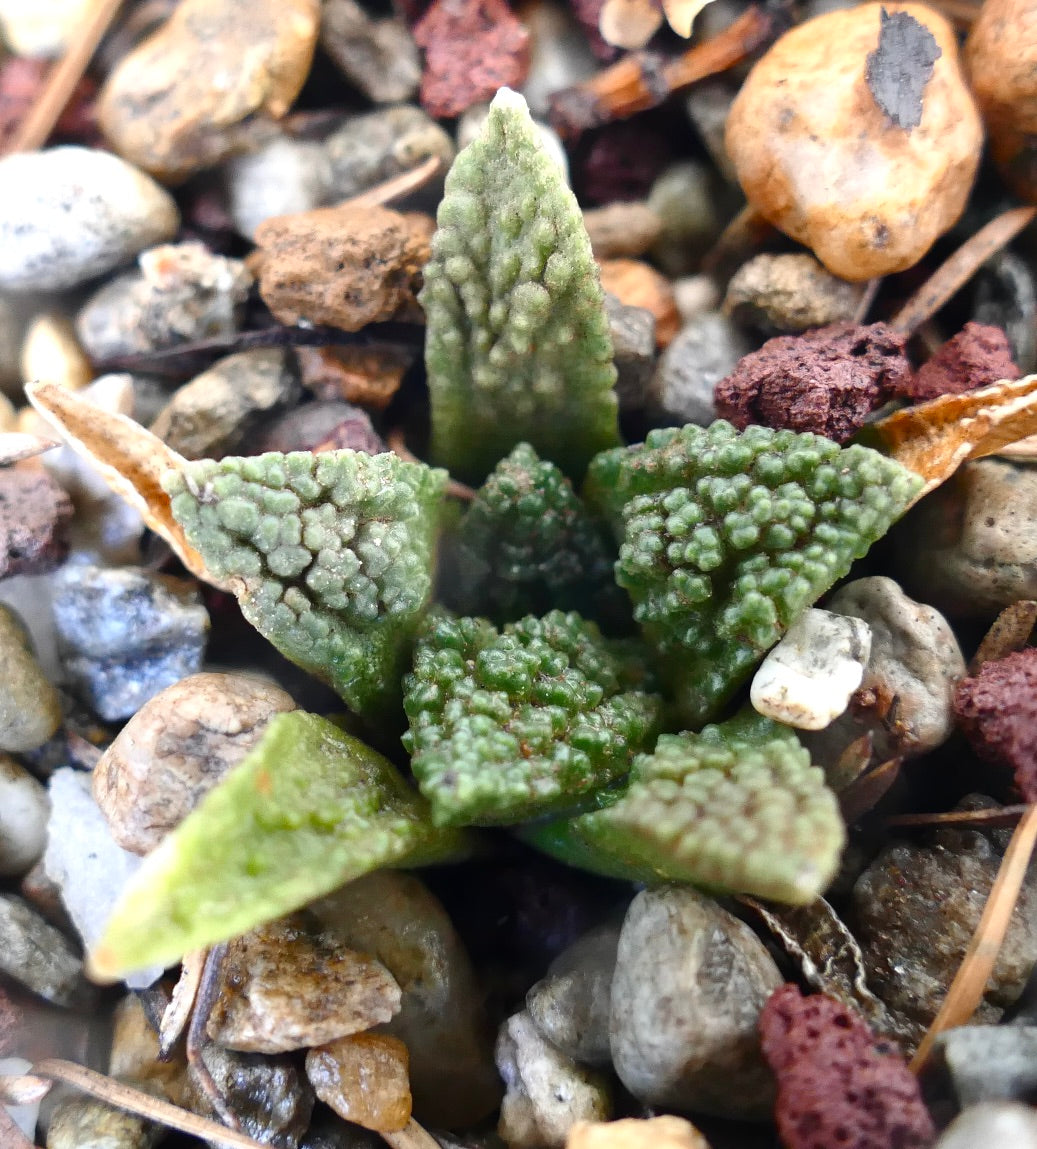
393	917
546	1092
345	266
178	746
622	229
789	293
135	1055
637	284
24	809
84	861
559	54
37	955
570	1006
51	351
695	294
633	347
86	1123
290	985
806	681
707	349
1006	297
999	1123
69	214
181	293
1001	60
34	514
631	1133
283	177
44	28
684	197
379	57
970	548
976	357
220	411
369	376
312	426
708	105
190	94
820	159
364	1079
125	634
689	985
990	1062
30	710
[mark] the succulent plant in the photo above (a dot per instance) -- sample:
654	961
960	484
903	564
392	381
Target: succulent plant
517	341
737	808
308	809
727	536
513	724
331	556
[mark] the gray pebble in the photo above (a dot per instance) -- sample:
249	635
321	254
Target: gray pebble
37	955
995	1123
559	54
181	293
705	351
219	411
790	292
905	700
689	985
30	710
85	1123
307	426
24	809
621	229
990	1062
379	57
633	343
970	548
571	1005
547	1092
708	105
282	177
685	198
1006	296
125	634
84	861
69	214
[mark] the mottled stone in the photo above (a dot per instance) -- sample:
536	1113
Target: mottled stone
707	350
818	157
807	679
23	818
379	57
36	955
997	1123
281	177
188	95
364	1079
689	985
970	548
619	229
546	1092
990	1062
290	985
790	292
125	634
86	1123
219	412
570	1006
30	710
181	293
632	1133
178	746
917	907
84	861
34	512
69	214
394	917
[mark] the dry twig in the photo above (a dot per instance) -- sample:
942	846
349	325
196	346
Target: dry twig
993	818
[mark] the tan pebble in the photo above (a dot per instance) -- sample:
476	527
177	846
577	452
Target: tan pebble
188	95
1001	59
134	1052
30	709
637	284
622	229
633	1133
818	157
52	352
364	1079
346	266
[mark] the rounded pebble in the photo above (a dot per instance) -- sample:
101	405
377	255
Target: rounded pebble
789	292
24	810
30	710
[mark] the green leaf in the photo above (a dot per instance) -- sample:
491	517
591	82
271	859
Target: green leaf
510	725
517	341
727	537
737	809
307	810
331	557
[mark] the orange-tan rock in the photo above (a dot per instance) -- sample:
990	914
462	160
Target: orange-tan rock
196	90
364	1079
632	1133
818	157
638	284
1001	59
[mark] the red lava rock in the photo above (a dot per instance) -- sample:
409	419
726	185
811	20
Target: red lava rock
838	1085
977	356
997	710
22	80
622	163
827	381
34	511
472	48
